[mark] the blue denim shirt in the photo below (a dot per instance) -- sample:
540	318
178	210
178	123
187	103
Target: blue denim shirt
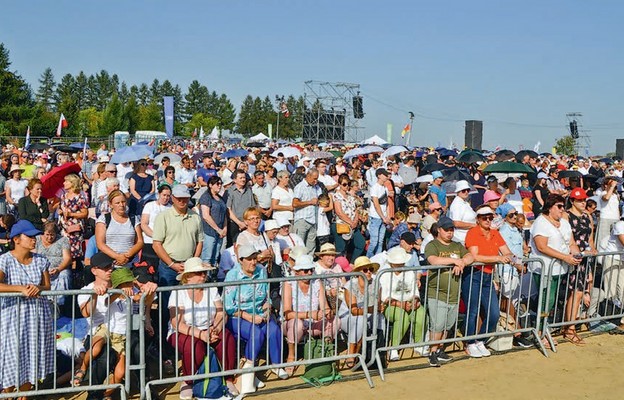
248	297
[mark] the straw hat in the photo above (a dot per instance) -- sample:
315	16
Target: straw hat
365	262
194	264
14	168
327	249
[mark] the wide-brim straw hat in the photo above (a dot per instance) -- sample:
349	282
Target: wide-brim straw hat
194	264
327	249
364	262
398	255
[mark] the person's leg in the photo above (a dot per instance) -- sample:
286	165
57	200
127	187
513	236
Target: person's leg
252	334
293	329
276	341
225	350
208	248
401	322
359	243
376	236
166	277
489	303
311	240
191	350
418	316
341	244
470	293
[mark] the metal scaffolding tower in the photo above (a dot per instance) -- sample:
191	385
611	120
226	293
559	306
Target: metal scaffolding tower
328	112
582	140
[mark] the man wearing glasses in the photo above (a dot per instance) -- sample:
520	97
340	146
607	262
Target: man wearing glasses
462	214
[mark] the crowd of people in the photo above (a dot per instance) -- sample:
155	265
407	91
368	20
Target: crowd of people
191	216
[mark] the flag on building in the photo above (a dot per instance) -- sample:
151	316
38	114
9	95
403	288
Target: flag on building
27	143
405	130
284	109
62	124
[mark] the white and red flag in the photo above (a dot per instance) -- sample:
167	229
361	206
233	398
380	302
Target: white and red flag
62	124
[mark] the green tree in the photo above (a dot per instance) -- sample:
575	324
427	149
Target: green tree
151	117
566	145
245	123
124	93
155	92
199	121
15	97
226	113
45	94
131	114
113	117
196	99
81	91
106	87
90	121
144	95
67	103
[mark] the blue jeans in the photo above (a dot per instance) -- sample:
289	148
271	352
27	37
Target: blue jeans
166	277
255	337
377	231
478	294
210	250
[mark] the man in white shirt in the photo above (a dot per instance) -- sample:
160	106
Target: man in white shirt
377	213
370	175
279	164
186	175
462	214
328	181
124	172
262	191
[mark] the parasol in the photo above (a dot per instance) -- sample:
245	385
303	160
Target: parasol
52	182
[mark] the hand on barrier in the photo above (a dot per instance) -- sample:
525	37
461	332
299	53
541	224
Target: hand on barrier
504	259
570	259
148	288
100	289
31	291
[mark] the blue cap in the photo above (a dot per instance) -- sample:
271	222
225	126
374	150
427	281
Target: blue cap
504	209
445	223
437	174
25	227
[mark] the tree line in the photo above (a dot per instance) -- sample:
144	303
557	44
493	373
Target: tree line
99	104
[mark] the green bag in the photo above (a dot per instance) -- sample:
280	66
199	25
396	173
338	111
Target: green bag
321	373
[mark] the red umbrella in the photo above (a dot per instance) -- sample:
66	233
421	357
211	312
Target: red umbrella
53	180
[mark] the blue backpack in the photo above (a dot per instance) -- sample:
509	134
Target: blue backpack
209	388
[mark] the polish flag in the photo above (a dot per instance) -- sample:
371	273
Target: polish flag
62	124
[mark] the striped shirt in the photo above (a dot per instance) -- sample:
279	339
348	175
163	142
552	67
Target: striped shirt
120	237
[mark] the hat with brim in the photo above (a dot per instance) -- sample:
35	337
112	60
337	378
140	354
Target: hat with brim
398	255
296	252
303	262
327	249
246	251
270	225
14	168
121	276
462	185
485	211
365	262
194	264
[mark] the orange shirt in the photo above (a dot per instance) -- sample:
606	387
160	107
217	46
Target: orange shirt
487	246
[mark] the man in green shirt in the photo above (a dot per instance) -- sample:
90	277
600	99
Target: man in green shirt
444	284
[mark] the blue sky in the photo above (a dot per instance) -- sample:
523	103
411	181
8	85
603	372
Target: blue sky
518	66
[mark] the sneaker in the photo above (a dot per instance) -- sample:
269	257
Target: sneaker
484	351
422	350
473	351
433	360
394	355
186	392
443	357
281	373
523	342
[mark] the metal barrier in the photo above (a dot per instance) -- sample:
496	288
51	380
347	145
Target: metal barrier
245	360
580	291
43	312
486	297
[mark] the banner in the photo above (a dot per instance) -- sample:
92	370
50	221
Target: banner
389	132
168	103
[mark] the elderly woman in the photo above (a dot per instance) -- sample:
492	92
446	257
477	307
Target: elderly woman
15	187
248	308
252	236
198	319
56	249
33	207
305	308
354	319
214	218
326	265
73	211
348	236
282	198
117	235
399	293
140	184
29	321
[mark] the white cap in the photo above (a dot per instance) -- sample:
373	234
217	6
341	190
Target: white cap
270	225
304	261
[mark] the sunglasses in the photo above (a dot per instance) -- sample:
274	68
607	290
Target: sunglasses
307	271
560	206
170	172
143	164
512	215
438	209
367	270
487	217
464	191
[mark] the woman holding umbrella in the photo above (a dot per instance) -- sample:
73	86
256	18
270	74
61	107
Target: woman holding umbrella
73	212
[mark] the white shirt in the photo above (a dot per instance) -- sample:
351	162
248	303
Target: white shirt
322	223
290	241
461	211
279	166
401	287
199	315
327	180
612	242
378	191
515	200
285	198
608	209
123	174
99	315
396	178
153	208
185	176
558	239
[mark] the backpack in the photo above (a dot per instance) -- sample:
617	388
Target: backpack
107	219
321	373
209	388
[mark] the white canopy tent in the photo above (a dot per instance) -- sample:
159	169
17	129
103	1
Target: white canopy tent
374	140
260	137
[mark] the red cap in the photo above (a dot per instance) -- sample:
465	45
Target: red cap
578	194
344	264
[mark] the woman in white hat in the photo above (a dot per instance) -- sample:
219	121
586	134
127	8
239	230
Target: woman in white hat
306	310
399	291
352	314
15	187
198	319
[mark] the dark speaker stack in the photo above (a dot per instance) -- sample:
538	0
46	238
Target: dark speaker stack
474	135
619	148
358	111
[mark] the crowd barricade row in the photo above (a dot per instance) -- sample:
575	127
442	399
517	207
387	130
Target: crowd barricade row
66	336
524	297
266	350
589	293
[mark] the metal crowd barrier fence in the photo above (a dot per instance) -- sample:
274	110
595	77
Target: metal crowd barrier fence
517	294
267	310
589	293
38	316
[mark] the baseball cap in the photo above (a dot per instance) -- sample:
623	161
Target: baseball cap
180	191
578	194
25	227
246	250
409	237
542	175
100	259
492	178
437	174
445	223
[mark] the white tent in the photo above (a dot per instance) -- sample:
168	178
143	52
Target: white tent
214	135
374	140
260	137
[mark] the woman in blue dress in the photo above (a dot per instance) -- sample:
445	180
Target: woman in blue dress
140	184
26	323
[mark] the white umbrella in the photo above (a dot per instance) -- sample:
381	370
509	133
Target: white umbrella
372	149
172	156
353	153
425	178
287	152
393	150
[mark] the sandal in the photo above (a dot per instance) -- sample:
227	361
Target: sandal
574	338
79	375
350	363
290	370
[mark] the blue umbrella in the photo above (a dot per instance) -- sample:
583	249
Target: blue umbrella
131	153
78	146
235	153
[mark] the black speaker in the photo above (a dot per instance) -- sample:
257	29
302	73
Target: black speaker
574	130
474	135
619	148
358	111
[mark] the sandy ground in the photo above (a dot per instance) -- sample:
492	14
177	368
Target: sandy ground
592	371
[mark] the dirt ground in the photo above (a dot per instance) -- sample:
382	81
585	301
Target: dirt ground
592	371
